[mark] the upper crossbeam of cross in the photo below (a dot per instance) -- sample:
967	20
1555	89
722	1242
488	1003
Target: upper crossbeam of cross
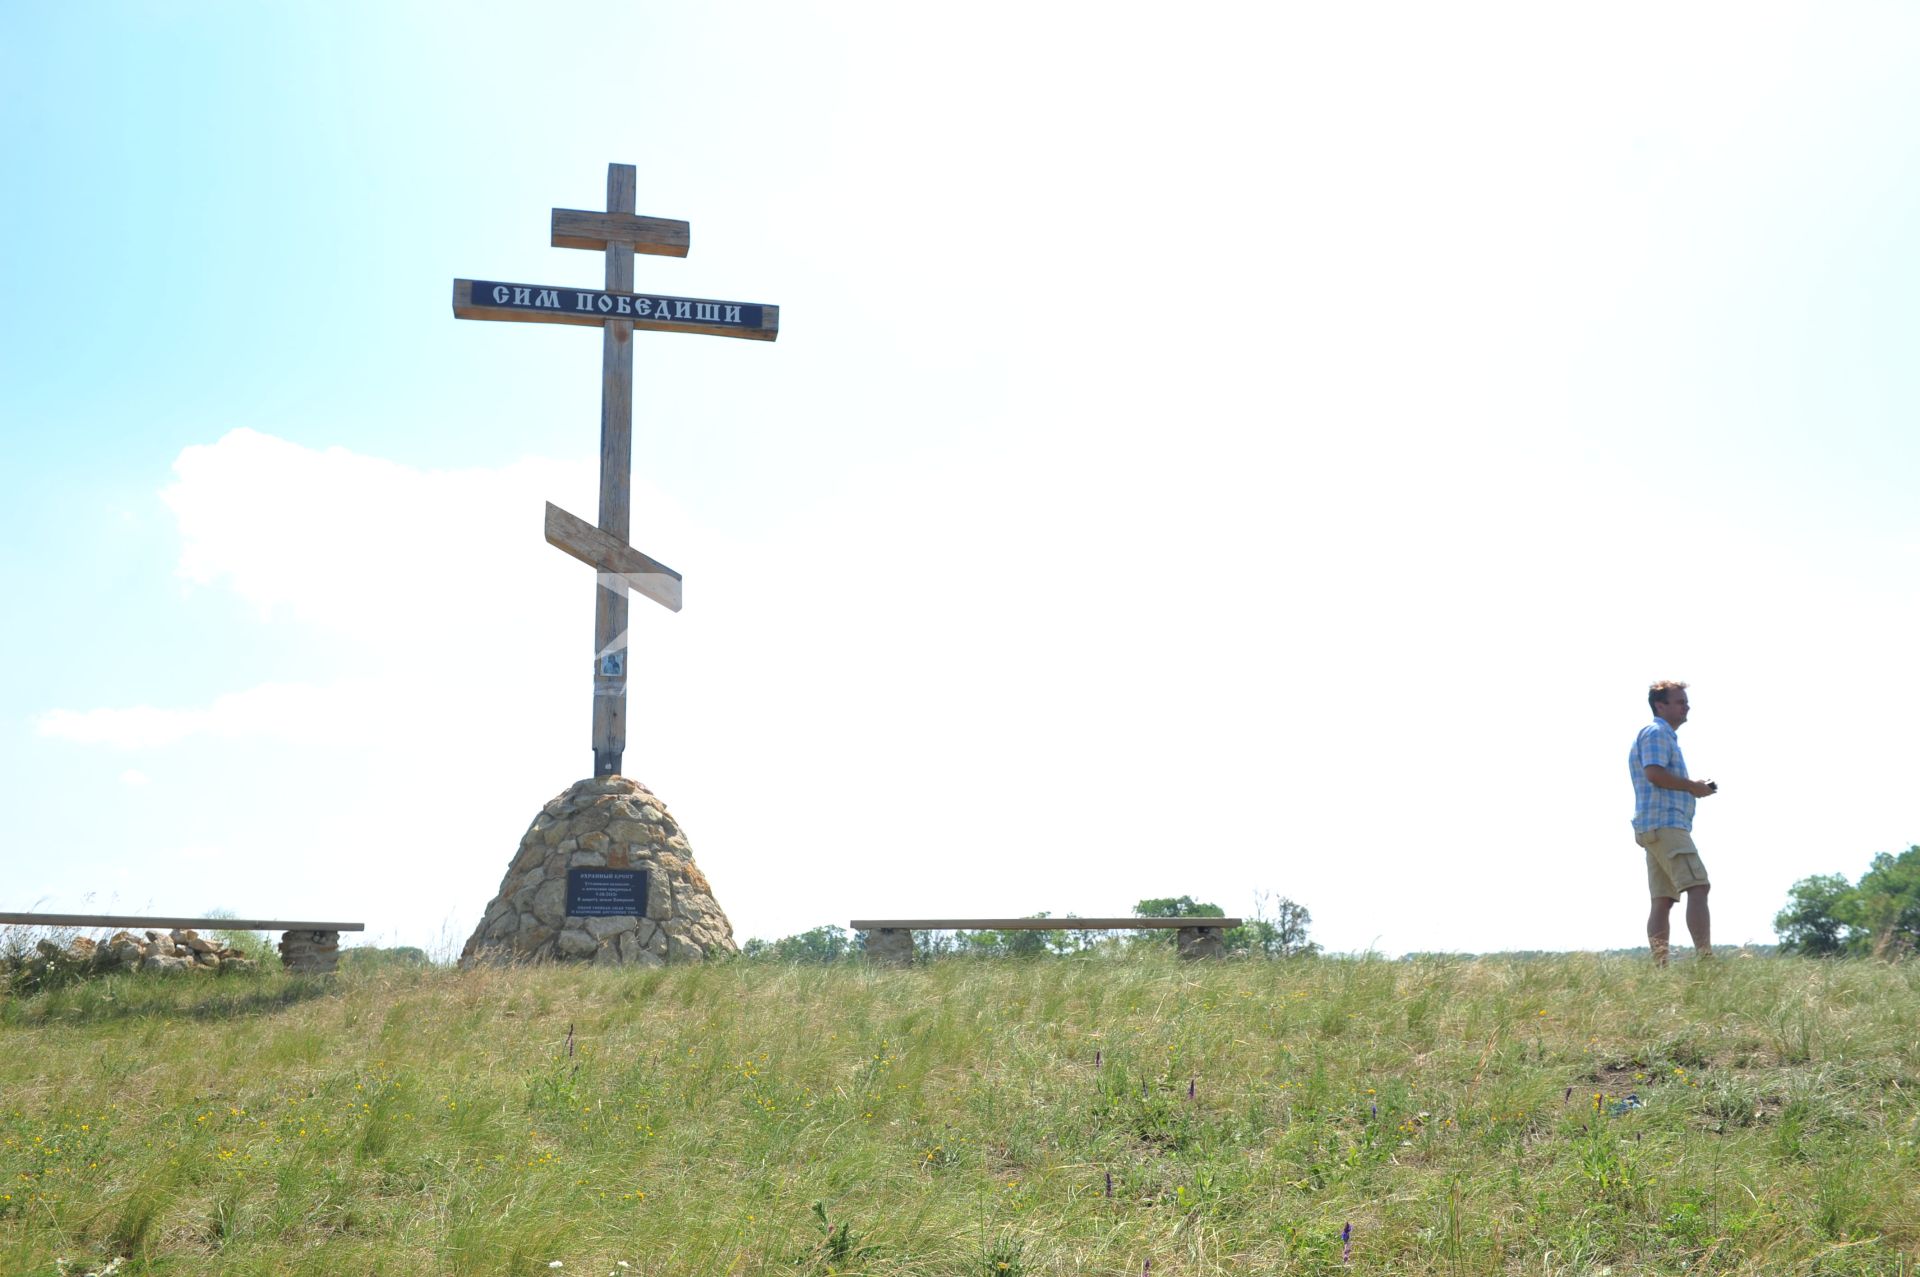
617	310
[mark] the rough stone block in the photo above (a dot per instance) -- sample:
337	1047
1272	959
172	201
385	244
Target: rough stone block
1200	942
601	928
593	821
310	952
550	902
890	946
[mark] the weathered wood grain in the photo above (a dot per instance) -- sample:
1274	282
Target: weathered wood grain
657	236
130	923
610	637
1037	924
592	546
616	373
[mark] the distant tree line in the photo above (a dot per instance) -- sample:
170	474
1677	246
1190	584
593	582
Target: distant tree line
1278	929
1879	915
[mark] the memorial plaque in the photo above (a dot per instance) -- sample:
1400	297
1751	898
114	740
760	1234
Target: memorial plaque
606	893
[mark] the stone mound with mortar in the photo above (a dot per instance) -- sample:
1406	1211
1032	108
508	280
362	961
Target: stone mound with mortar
606	823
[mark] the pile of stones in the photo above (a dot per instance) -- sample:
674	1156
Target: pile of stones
180	950
614	823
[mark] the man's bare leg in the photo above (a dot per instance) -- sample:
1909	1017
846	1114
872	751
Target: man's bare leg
1699	923
1658	928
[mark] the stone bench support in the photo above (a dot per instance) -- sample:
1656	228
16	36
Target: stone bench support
310	952
890	946
890	940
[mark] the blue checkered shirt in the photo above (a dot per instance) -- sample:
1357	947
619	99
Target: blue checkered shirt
1658	745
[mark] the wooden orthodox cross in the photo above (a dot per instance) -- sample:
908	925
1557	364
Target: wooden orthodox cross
617	310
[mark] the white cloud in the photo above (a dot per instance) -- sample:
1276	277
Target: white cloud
335	714
437	587
365	546
136	777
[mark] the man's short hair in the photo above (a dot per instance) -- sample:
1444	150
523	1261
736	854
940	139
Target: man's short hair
1662	692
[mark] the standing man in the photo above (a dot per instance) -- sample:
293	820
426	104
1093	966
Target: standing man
1663	800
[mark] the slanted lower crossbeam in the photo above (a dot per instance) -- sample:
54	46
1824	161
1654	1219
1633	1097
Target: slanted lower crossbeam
621	567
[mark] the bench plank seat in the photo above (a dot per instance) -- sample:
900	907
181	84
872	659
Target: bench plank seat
132	923
1034	924
890	940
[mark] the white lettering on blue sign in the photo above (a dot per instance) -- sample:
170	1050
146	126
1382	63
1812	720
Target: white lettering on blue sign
595	303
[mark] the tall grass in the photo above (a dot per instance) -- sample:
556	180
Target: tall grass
1547	1115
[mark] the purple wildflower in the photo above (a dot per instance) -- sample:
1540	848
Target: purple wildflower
1191	1083
1346	1244
1109	1183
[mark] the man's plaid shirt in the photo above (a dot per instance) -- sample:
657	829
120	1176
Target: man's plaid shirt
1658	745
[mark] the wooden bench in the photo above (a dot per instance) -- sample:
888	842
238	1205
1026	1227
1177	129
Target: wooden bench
890	940
312	947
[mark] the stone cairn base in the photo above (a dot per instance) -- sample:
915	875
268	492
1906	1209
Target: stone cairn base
178	950
609	822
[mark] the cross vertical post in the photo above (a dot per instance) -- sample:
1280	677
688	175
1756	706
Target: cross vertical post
616	486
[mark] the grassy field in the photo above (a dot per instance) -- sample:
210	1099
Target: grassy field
991	1117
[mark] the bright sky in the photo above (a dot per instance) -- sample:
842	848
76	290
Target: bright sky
1270	449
